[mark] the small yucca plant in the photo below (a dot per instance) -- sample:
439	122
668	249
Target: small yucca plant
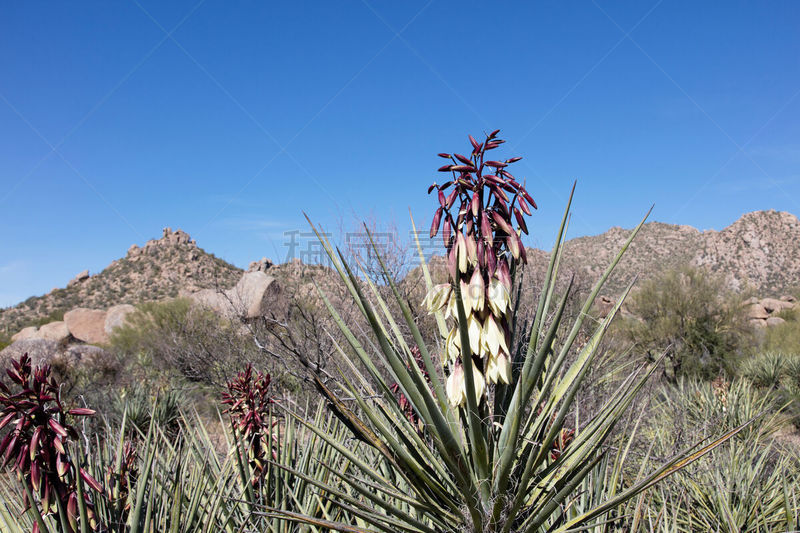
37	447
494	454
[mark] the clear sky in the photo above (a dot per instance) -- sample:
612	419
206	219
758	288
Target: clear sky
227	119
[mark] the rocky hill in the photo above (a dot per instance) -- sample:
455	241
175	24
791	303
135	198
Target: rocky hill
162	268
759	252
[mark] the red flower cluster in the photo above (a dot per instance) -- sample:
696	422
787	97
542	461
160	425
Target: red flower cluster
249	399
483	226
36	446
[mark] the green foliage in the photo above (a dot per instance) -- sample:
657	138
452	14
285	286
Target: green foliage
778	375
691	315
197	482
178	337
748	484
783	338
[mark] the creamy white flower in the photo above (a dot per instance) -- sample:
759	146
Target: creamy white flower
466	297
476	290
450	310
493	336
499	298
437	297
461	247
453	345
498	368
480	383
454	387
475	333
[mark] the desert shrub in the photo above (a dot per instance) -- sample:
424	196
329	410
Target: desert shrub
783	338
690	314
179	337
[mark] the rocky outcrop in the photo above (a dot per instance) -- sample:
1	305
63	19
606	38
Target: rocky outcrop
762	313
80	278
773	305
87	325
115	317
255	295
775	321
757	311
40	351
168	238
158	270
262	265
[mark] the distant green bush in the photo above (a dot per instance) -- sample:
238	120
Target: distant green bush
690	314
183	339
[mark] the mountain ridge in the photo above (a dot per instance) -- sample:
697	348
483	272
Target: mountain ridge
759	252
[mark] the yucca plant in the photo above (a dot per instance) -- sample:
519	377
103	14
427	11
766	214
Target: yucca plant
496	403
749	484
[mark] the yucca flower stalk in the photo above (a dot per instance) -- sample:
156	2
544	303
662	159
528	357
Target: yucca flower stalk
38	447
477	217
248	399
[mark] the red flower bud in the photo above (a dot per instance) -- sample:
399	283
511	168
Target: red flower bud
437	218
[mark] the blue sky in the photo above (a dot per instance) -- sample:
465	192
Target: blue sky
229	119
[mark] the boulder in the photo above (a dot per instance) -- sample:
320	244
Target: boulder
94	362
25	333
788	298
54	331
255	295
87	325
40	351
116	316
758	323
213	300
750	301
774	321
757	311
773	305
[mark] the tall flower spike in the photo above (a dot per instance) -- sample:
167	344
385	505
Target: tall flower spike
483	206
